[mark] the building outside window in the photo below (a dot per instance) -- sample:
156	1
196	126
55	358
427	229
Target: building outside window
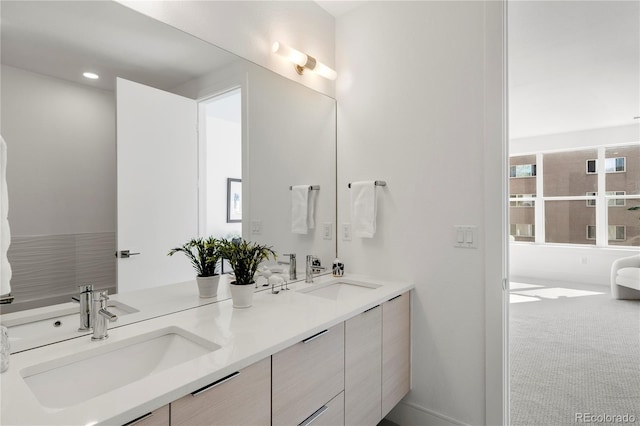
564	199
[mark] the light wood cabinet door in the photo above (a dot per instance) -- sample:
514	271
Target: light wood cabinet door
159	417
396	350
307	375
243	399
330	414
363	368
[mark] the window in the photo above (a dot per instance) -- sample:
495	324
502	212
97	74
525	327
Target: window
611	165
522	230
550	191
612	202
616	232
519	203
522	170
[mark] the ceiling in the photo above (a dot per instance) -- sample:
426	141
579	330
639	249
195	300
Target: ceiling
64	39
338	8
573	65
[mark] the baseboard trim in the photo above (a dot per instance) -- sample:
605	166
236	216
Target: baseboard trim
409	413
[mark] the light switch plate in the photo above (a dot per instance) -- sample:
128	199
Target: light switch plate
346	232
465	236
327	230
256	227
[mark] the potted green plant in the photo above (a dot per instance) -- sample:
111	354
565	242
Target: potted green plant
244	257
203	253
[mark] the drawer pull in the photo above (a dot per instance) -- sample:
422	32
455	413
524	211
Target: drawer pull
214	384
315	336
312	418
393	298
371	309
139	419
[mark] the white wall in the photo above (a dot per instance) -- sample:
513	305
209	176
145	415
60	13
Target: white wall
292	141
412	110
576	140
62	186
249	28
588	264
60	172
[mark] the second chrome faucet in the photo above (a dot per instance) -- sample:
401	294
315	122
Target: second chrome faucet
93	312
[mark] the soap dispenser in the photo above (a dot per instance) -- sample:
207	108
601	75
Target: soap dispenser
338	268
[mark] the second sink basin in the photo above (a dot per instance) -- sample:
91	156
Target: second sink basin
77	378
338	289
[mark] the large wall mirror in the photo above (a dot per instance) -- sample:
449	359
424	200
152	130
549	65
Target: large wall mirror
78	193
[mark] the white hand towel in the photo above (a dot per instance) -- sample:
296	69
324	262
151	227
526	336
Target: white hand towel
299	209
363	209
5	233
311	209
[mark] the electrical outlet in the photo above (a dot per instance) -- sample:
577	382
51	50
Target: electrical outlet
346	232
256	227
327	230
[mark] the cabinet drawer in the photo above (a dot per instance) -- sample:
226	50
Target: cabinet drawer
330	414
159	417
307	375
363	368
396	350
244	399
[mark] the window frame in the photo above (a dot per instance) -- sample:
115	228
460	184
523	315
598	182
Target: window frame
533	171
515	201
595	162
531	228
616	227
610	196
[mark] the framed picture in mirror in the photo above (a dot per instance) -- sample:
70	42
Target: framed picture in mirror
234	200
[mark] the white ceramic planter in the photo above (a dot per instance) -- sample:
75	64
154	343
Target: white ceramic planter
208	286
242	295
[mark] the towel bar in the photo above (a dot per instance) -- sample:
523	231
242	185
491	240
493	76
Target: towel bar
5	299
311	188
377	183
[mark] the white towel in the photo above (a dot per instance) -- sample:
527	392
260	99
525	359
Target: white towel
299	209
363	209
5	233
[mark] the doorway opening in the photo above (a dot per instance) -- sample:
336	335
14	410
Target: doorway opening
574	192
220	158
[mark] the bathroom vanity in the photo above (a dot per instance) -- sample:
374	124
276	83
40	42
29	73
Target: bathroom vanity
333	352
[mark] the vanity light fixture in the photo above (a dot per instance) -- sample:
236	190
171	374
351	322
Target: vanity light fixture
91	75
302	61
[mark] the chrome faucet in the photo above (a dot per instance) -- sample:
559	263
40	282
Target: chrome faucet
101	316
313	267
85	301
292	266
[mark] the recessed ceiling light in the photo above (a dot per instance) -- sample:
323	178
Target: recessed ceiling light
91	75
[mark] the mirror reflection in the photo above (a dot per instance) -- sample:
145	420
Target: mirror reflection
109	165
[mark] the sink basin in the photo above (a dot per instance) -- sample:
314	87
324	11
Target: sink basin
77	378
62	321
339	289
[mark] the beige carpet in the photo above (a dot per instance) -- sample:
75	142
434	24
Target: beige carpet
574	356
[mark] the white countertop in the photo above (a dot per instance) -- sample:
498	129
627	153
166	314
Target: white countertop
273	323
149	302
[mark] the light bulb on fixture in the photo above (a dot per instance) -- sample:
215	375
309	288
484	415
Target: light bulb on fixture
303	61
91	75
